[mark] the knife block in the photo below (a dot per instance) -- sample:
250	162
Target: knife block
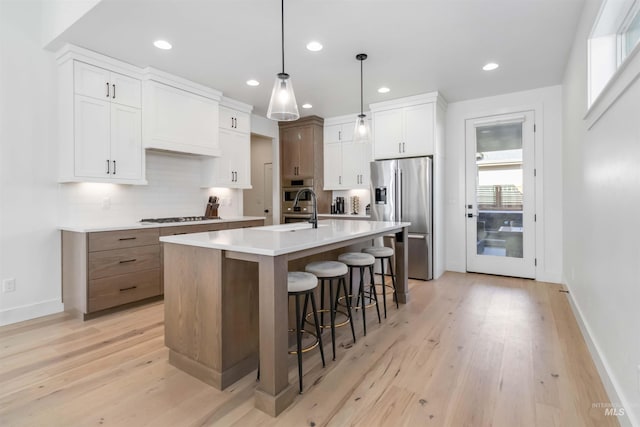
212	210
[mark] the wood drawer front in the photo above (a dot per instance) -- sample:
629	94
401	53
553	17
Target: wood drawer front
106	240
117	290
123	261
185	229
246	224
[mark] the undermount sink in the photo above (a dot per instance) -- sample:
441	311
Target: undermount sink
291	227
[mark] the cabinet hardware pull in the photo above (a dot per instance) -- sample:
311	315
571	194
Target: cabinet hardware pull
399	147
114	91
176	234
107	89
339	135
114	167
127	238
128	289
403	149
108	170
339	179
124	261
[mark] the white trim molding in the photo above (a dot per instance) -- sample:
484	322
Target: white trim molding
30	311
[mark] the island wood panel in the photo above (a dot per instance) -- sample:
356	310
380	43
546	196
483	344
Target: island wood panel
193	310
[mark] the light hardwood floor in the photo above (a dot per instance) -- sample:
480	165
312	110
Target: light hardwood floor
468	350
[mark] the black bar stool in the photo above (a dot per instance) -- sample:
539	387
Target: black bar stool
384	253
334	272
300	283
362	261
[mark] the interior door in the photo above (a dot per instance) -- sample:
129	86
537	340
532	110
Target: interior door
268	193
500	195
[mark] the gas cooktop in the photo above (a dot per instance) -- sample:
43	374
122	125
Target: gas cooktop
178	219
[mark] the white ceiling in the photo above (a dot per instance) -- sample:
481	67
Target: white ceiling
414	46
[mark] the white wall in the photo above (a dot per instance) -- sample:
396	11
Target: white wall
29	241
32	204
601	234
58	15
173	190
546	102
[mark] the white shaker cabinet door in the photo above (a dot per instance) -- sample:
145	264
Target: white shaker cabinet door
92	137
418	130
387	134
333	166
351	161
126	90
240	160
126	143
92	81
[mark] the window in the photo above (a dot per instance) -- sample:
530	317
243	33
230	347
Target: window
613	39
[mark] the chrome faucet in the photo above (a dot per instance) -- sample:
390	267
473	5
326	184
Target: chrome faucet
314	216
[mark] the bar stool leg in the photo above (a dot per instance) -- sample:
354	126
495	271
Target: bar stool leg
315	319
361	296
322	301
384	287
299	342
348	303
304	311
332	312
372	288
393	281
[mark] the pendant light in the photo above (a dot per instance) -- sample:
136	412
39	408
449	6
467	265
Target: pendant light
361	131
282	106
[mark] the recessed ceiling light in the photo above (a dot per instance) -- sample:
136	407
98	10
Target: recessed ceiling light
383	90
314	46
307	106
490	66
253	82
162	44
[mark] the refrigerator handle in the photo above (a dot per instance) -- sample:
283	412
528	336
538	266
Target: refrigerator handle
400	196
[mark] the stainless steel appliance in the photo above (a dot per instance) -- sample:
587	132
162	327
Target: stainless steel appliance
402	190
178	219
304	210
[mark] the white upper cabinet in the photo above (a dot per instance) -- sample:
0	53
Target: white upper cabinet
100	135
405	127
346	164
178	120
232	169
100	83
234	120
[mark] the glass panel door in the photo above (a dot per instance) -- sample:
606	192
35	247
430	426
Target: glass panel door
500	195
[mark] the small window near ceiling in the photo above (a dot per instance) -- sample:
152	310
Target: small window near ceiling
613	39
631	34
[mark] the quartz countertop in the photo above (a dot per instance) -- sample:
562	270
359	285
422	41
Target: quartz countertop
99	226
347	216
282	239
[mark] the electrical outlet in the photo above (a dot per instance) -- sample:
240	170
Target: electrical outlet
8	285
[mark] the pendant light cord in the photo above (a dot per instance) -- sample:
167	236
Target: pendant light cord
361	104
282	27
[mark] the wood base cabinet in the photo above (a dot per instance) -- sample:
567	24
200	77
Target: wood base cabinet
106	270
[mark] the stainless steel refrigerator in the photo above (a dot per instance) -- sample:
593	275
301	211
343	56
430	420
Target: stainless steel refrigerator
402	190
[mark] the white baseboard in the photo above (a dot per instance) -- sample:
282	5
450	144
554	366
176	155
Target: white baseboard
610	384
30	311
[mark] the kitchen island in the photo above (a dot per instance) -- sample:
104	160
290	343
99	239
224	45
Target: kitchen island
226	291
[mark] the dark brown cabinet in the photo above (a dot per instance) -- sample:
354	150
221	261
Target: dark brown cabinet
302	156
